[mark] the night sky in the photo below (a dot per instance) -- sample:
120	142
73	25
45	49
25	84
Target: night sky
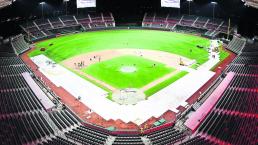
132	11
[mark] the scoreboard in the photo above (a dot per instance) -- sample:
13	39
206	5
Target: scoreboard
170	3
86	3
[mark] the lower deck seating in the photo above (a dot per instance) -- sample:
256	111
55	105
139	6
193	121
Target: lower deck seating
57	141
198	141
12	66
9	61
63	119
166	136
234	118
13	69
234	129
21	129
15	94
236	44
18	101
128	140
246	60
87	135
243	70
236	100
19	44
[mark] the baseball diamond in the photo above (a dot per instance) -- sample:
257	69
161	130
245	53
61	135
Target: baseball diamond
110	61
156	57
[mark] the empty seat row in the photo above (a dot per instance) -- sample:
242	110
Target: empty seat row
198	141
42	28
18	101
246	70
22	129
19	44
13	69
243	60
63	119
168	135
230	128
57	141
244	82
87	135
7	61
169	21
12	82
236	44
136	140
237	100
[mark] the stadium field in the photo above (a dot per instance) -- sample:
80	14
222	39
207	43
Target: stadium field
137	71
109	72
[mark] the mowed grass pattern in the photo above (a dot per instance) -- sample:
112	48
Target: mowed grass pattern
75	44
109	71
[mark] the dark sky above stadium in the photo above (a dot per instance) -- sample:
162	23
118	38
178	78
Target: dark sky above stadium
133	10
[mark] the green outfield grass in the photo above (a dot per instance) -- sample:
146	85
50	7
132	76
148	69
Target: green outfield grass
109	71
71	45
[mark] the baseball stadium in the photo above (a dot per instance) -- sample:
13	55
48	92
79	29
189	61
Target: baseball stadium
99	72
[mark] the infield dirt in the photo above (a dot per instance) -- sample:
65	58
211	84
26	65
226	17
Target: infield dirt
169	59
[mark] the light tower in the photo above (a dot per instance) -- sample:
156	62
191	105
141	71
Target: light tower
189	6
213	9
66	1
42	8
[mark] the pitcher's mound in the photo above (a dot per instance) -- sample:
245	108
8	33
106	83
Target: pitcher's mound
128	96
128	69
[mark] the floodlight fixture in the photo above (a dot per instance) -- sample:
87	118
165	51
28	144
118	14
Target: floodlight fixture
213	9
42	8
42	3
214	3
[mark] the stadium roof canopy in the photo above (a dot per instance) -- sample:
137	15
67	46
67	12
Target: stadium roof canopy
4	3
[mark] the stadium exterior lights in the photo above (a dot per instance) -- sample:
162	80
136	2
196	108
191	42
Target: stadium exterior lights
213	9
42	8
189	6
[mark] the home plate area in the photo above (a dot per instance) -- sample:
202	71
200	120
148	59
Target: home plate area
128	96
